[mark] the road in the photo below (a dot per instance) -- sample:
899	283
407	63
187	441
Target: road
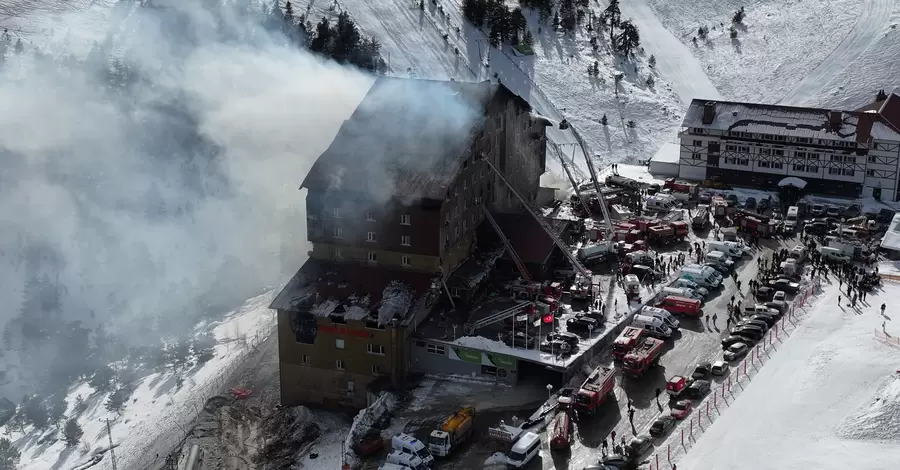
674	61
873	19
697	343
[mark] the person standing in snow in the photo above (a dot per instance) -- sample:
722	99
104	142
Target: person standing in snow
839	300
883	306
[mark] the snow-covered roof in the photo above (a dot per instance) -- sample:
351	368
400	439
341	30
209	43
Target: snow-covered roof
670	152
891	239
792	121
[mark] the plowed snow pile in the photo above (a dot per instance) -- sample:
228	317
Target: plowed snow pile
878	420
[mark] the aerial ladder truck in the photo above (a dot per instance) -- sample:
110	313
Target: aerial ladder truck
575	186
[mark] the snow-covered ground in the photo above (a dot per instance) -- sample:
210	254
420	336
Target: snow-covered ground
827	397
156	409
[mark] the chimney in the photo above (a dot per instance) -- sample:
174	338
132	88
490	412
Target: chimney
835	119
709	112
881	96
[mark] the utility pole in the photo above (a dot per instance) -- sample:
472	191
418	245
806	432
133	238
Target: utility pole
112	453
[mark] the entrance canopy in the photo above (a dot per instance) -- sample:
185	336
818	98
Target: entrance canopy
792	181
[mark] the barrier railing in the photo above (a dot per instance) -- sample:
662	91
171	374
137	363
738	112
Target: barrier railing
890	277
884	336
723	394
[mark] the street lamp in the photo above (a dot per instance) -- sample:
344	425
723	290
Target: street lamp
549	392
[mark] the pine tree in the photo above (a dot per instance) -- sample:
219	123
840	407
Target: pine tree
629	39
652	61
613	17
102	379
603	120
35	411
322	40
421	4
115	403
556	20
56	409
288	12
80	405
528	39
9	455
596	68
738	16
732	32
72	432
651	81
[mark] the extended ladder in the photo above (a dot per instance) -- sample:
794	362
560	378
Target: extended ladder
540	220
602	200
509	248
470	328
562	161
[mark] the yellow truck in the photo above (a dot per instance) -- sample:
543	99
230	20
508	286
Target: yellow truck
452	433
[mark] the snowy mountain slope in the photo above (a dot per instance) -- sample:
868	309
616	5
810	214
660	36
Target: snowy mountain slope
802	406
779	43
158	409
675	61
874	16
876	68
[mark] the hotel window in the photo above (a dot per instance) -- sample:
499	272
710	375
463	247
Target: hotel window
777	165
376	370
814	156
744	149
698	143
465	224
695	156
304	359
731	148
338	254
370	236
812	169
870	173
800	154
338	232
405	240
435	349
872	159
373	258
454	292
339	344
404	219
765	151
370	217
777	152
375	349
764	164
405	261
336	213
339	364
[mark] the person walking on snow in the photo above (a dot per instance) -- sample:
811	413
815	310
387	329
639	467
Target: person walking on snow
715	317
883	306
839	300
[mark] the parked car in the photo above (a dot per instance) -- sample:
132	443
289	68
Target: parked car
519	340
751	322
661	426
735	352
570	338
689	284
783	284
732	200
854	210
705	197
719	368
764	204
732	339
681	409
582	326
834	211
750	203
698	389
614	460
753	332
701	371
818	210
769	320
639	446
780	296
781	307
764	294
556	347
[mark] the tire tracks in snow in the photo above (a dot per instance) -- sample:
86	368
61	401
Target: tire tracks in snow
870	24
674	60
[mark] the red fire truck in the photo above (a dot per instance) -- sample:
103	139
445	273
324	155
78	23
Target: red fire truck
643	357
626	341
595	389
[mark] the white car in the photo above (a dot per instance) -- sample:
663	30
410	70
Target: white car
719	368
779	296
689	284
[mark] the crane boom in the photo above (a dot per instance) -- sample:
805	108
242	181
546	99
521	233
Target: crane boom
509	248
540	220
562	161
603	208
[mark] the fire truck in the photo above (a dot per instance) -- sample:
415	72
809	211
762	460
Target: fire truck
559	431
643	357
595	390
631	336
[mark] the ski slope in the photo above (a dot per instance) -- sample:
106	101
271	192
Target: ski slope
874	16
673	59
829	398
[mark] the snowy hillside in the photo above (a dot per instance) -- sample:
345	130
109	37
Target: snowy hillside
827	398
159	411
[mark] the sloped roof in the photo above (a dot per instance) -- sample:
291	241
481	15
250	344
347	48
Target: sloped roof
407	137
891	239
813	123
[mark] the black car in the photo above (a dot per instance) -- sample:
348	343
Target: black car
750	203
556	347
519	340
764	204
697	389
639	446
701	371
614	460
583	326
784	284
769	320
732	200
765	294
753	332
732	339
569	338
751	322
661	426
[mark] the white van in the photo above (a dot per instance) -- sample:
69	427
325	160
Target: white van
407	460
663	315
654	326
732	249
681	292
791	219
720	259
703	275
525	449
410	445
660	203
833	254
639	257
